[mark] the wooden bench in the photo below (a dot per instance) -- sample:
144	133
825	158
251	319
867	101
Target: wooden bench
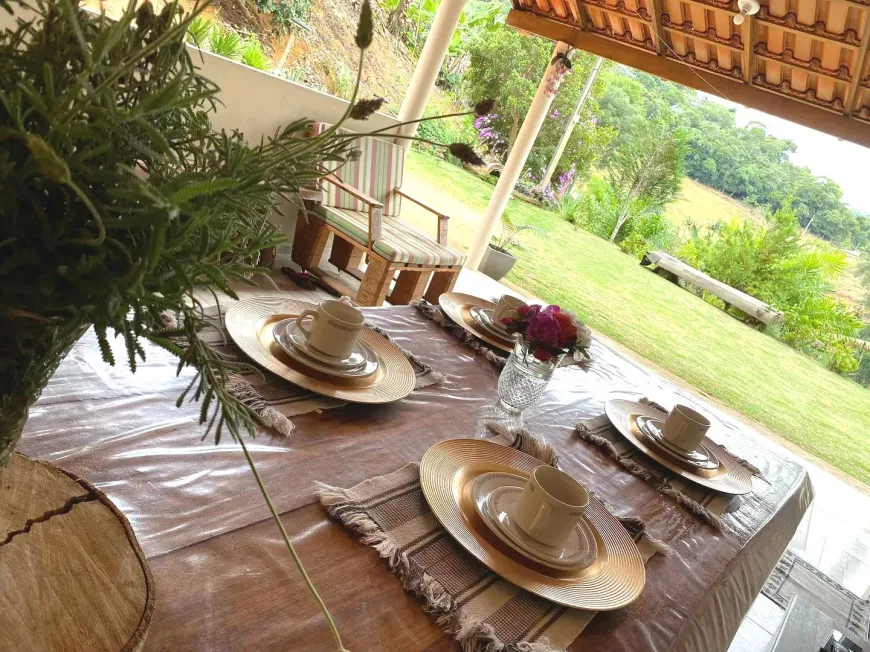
674	269
360	207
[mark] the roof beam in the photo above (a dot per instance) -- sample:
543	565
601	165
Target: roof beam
815	117
858	69
656	26
748	49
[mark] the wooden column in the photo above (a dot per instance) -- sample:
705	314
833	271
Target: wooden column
441	282
409	286
375	283
309	241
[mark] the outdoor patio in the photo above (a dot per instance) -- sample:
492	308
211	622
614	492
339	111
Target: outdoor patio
389	428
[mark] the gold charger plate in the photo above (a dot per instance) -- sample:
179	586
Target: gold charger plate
251	324
458	307
730	478
447	472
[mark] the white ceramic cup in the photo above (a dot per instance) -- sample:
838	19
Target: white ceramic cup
335	329
550	505
685	427
506	307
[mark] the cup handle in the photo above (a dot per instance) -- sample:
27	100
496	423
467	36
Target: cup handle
543	513
305	313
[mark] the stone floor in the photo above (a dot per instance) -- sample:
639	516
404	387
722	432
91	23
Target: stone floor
834	535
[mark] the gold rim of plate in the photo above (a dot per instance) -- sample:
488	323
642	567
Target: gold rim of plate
458	307
448	469
730	478
251	324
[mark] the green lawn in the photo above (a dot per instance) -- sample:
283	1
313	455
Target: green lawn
753	373
704	206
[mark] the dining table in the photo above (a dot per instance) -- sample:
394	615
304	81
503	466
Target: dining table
225	580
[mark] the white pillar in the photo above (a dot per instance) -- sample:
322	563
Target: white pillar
513	167
426	72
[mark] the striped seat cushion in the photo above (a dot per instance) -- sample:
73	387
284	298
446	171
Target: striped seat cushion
377	172
399	243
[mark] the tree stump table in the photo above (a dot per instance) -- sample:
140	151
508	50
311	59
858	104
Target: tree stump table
72	576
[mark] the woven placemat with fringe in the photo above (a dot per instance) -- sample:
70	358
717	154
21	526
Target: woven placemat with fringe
274	399
483	612
706	504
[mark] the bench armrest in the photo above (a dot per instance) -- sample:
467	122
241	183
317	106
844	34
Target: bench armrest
442	218
375	208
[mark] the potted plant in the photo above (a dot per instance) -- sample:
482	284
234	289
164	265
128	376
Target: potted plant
119	202
497	259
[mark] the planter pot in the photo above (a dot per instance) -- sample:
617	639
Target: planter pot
72	574
31	348
496	263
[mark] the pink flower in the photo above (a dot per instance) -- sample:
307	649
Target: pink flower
544	328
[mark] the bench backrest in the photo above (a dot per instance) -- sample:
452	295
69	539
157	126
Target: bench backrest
377	172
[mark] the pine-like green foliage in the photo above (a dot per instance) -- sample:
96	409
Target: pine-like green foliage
118	201
252	54
199	31
225	41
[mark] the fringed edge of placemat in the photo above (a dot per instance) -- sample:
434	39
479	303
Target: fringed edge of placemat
656	482
526	442
433	312
245	392
472	634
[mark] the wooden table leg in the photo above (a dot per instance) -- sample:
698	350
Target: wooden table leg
346	256
375	283
309	241
409	286
441	282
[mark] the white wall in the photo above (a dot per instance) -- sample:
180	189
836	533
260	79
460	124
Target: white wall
257	103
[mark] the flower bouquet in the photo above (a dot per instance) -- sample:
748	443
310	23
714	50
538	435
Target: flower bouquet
550	333
544	336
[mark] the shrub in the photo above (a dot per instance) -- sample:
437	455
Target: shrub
198	32
286	12
455	130
225	42
650	233
342	81
568	207
770	263
253	54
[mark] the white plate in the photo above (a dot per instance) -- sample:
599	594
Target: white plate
495	495
365	361
700	457
483	317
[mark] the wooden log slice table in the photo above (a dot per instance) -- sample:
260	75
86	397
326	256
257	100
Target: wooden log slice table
72	576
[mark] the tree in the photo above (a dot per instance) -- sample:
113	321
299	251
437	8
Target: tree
513	80
646	172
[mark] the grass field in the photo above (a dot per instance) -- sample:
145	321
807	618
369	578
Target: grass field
704	206
748	371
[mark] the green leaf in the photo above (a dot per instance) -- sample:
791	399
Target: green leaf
202	189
